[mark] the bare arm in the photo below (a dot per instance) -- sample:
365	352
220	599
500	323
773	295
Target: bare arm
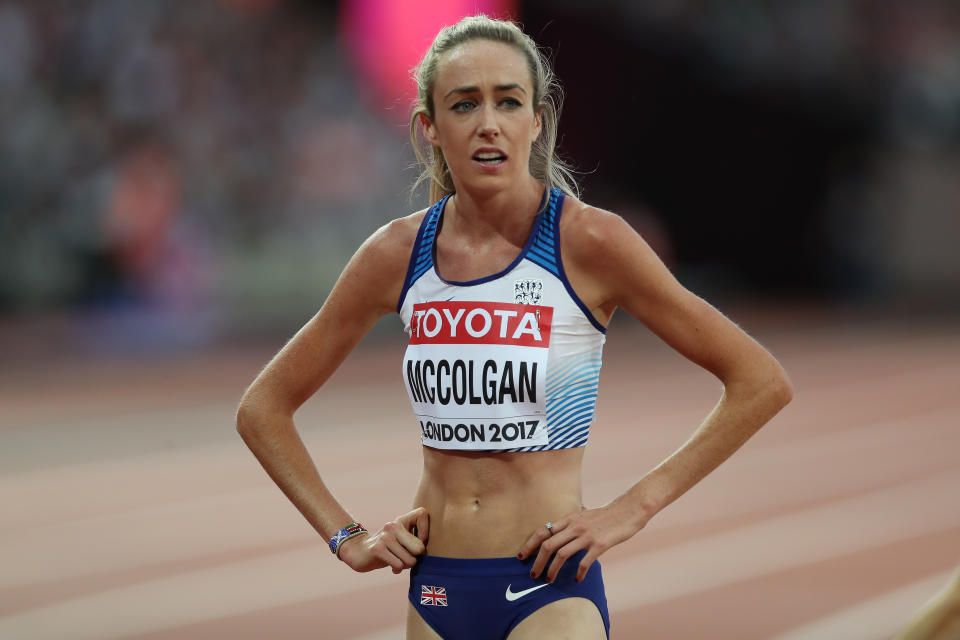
611	267
755	387
367	290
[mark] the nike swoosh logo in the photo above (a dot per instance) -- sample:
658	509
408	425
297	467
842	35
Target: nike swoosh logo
511	596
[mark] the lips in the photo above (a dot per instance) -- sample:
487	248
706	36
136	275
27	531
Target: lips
489	156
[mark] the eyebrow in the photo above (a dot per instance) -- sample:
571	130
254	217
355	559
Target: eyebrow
499	87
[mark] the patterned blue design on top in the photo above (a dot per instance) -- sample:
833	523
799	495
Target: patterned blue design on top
423	259
570	415
543	250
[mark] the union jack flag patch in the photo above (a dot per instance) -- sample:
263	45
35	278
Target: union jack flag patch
433	596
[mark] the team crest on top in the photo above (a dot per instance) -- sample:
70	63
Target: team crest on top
527	291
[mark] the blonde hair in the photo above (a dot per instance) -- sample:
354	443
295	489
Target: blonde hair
545	166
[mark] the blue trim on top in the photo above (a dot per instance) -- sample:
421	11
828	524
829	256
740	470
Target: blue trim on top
537	224
543	252
421	256
542	248
550	244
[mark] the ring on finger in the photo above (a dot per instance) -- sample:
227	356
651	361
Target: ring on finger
549	527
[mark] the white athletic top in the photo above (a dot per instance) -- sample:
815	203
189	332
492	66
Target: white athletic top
508	362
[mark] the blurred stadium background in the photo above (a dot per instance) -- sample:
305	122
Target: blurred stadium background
181	183
177	174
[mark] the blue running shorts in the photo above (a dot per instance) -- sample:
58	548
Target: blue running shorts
485	598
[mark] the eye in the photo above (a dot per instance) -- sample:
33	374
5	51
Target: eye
463	106
511	103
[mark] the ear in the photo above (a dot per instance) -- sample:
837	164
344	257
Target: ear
429	130
537	125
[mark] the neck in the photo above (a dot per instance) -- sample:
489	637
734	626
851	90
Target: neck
505	212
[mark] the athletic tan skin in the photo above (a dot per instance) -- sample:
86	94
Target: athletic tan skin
487	505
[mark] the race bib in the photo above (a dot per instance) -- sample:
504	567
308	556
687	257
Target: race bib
475	373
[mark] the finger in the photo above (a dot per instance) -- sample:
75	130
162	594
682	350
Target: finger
383	553
544	551
562	555
585	563
547	549
411	518
423	525
417	522
401	553
411	543
400	531
389	551
533	542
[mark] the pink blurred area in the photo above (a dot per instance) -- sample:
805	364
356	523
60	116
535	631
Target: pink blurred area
386	39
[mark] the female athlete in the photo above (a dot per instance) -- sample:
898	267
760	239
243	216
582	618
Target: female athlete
505	286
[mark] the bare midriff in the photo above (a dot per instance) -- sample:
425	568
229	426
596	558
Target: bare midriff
486	505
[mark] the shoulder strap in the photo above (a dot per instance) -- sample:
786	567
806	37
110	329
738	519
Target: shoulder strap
421	258
545	250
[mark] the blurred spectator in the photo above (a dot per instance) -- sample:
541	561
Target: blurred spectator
185	156
202	157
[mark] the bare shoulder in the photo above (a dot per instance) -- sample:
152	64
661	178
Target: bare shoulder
374	276
586	229
393	242
605	259
616	268
594	238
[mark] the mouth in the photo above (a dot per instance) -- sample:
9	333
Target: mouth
490	157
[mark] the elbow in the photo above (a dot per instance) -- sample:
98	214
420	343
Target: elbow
768	388
251	417
260	416
246	419
781	389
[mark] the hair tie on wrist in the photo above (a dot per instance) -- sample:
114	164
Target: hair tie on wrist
349	531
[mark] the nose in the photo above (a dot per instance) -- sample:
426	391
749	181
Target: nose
489	126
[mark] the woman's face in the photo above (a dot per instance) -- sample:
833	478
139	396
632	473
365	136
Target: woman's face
483	115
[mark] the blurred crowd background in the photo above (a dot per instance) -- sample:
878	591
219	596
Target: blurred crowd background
176	174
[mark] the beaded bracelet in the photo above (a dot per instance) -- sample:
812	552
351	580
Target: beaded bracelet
349	531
